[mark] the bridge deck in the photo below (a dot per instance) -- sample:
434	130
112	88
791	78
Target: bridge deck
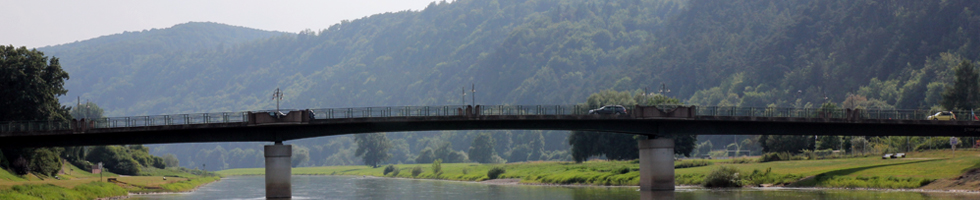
261	126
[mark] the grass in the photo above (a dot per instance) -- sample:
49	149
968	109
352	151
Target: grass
84	185
91	190
691	163
859	172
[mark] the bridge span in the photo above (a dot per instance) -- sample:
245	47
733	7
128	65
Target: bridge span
660	123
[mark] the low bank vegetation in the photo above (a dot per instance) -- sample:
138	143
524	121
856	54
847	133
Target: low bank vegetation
691	163
91	190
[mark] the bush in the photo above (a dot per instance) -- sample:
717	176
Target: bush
395	171
21	166
622	170
495	172
437	167
389	169
416	171
45	162
779	156
743	160
724	176
691	163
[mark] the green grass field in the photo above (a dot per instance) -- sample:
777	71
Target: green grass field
79	184
864	172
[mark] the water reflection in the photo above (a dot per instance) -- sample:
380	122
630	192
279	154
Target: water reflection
345	187
657	195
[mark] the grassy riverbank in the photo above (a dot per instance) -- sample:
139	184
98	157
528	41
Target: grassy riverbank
83	185
916	170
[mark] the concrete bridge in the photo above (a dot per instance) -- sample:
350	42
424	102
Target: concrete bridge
659	123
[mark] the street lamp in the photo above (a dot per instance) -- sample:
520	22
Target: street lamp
277	95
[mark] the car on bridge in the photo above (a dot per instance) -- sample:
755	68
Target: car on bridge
609	110
942	115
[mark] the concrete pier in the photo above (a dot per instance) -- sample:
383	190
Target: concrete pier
657	164
277	171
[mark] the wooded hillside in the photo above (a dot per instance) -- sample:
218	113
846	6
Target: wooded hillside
788	53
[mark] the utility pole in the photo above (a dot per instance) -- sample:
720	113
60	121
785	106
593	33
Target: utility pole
473	90
277	95
464	94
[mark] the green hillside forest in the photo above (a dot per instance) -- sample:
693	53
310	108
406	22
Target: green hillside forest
897	54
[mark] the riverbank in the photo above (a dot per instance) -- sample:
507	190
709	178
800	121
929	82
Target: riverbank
917	170
84	185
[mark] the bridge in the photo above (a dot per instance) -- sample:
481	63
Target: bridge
659	123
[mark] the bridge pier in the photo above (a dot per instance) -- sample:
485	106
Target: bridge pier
657	164
277	171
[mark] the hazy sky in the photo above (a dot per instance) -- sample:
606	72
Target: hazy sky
39	23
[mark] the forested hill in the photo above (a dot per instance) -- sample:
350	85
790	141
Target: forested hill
520	52
790	53
98	65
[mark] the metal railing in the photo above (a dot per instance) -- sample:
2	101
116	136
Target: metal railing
458	110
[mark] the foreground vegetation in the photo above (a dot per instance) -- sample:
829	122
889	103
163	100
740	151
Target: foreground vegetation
918	169
83	185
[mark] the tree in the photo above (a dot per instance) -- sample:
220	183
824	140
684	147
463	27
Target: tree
300	156
786	143
829	142
31	85
481	150
964	92
372	148
446	153
45	161
88	110
170	160
427	155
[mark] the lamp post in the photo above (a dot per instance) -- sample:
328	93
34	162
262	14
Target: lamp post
277	95
473	90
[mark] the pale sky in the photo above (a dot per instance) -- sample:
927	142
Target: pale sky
39	23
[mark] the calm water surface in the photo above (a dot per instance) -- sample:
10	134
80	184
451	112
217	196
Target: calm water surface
349	187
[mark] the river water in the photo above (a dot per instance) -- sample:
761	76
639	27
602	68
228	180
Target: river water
350	187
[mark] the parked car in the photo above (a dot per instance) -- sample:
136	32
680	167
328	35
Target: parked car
608	110
943	115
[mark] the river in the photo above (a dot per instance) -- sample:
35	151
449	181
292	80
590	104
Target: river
350	187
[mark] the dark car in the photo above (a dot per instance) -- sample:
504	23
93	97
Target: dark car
607	110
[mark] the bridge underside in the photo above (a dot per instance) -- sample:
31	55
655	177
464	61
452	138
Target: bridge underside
243	132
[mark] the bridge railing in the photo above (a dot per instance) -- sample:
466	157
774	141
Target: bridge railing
459	110
770	112
27	126
539	109
882	114
177	119
395	111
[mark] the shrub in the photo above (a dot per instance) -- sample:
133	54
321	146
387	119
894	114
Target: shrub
466	170
622	170
437	167
389	169
743	160
691	163
395	171
416	171
779	156
495	172
724	176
